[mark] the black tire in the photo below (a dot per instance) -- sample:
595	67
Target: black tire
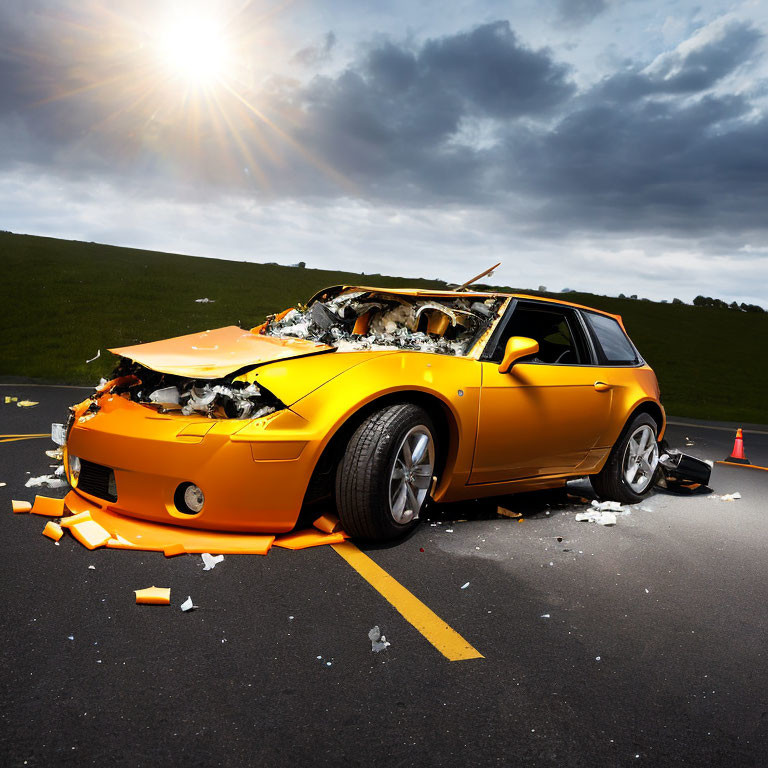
611	484
364	474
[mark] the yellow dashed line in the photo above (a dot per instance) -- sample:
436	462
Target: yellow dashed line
449	642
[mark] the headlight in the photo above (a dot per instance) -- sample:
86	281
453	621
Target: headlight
74	470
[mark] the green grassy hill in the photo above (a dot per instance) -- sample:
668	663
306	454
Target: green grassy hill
62	301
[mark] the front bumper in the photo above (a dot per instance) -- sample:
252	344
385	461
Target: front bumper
253	474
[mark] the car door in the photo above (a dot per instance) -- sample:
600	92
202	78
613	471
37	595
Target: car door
546	414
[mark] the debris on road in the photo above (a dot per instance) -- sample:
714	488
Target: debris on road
26	403
10	399
378	641
46	481
48	507
153	596
90	534
95	357
308	538
596	516
464	586
187	605
682	472
327	523
726	496
205	301
20	506
53	530
210	561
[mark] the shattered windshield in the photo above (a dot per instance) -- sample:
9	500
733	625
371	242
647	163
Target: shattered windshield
368	320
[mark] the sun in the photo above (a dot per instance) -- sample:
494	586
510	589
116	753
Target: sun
195	50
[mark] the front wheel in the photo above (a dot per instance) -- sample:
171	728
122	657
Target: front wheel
383	479
628	474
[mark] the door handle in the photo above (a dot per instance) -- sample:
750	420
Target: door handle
601	386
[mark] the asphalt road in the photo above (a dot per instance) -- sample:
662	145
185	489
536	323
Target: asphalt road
638	644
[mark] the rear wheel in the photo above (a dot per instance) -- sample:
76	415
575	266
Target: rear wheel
383	478
628	474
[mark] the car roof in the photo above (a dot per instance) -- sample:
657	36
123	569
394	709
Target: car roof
435	294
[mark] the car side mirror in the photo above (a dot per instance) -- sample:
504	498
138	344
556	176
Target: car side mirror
517	347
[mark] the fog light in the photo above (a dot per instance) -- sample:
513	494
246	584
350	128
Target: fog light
74	470
189	499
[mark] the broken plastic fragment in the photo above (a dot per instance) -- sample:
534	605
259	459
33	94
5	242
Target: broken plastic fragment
26	403
607	506
464	586
95	357
153	596
9	399
80	517
48	507
730	496
378	641
209	560
118	542
204	301
308	538
175	549
20	506
187	605
53	530
327	523
90	534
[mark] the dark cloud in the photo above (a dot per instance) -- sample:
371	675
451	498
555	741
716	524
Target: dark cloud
691	71
658	147
579	12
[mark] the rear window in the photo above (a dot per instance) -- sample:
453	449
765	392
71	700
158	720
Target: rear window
615	345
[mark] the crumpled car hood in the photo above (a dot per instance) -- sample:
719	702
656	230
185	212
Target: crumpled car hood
217	353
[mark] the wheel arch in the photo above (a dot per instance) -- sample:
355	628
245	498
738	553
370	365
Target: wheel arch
654	410
445	421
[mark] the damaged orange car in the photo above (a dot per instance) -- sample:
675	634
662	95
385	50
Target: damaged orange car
371	400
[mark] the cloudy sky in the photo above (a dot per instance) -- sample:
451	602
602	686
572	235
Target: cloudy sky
603	145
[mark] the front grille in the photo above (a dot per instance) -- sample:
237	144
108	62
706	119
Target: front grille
96	480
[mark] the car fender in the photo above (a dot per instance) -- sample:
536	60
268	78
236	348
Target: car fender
454	381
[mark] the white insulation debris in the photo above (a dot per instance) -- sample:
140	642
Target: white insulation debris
205	301
45	481
378	641
596	516
95	357
210	561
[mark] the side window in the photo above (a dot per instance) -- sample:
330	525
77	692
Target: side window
617	349
560	337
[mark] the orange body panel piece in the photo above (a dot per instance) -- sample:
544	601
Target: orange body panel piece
213	354
175	549
327	523
20	506
44	505
153	596
132	533
53	530
308	538
90	534
80	517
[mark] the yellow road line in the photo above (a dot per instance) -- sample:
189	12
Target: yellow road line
12	438
449	642
736	464
26	434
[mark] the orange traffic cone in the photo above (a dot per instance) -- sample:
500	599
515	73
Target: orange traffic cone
737	454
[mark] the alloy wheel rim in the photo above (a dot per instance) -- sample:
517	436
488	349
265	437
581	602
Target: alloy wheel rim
640	459
411	474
